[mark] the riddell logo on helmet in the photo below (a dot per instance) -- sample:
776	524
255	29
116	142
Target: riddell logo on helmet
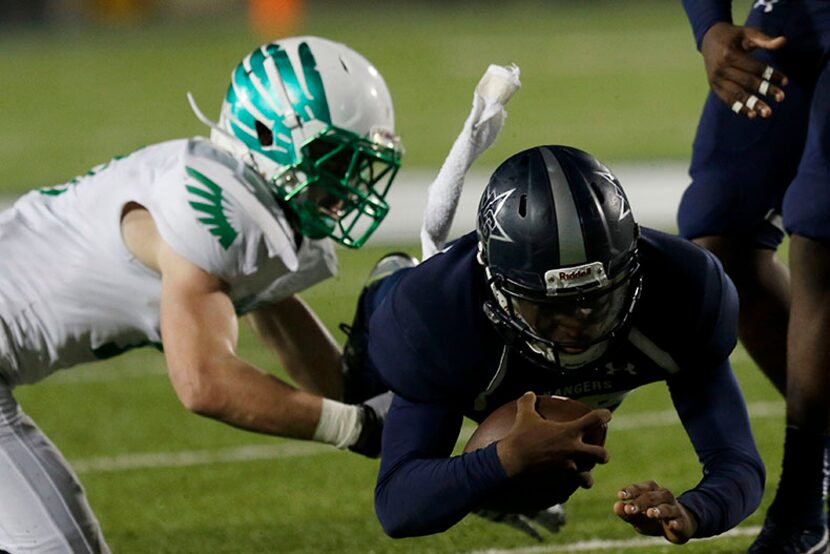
574	274
577	276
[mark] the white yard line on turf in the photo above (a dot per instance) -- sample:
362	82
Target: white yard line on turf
295	449
613	545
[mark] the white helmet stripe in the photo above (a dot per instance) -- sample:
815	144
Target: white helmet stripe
571	244
249	106
261	89
275	81
247	130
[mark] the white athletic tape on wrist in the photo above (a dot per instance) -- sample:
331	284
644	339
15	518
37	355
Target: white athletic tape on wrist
763	87
768	71
737	106
339	424
751	101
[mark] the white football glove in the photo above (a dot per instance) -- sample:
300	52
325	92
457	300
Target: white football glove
550	519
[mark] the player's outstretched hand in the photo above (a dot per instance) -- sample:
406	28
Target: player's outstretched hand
537	442
741	81
653	510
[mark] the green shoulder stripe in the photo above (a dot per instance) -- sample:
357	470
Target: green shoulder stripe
210	205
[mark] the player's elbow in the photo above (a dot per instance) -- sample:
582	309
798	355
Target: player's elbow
199	391
401	519
393	525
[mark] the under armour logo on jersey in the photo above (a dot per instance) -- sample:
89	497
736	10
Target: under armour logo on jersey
489	217
612	368
215	218
768	5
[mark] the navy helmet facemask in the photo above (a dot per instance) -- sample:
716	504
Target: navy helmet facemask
559	246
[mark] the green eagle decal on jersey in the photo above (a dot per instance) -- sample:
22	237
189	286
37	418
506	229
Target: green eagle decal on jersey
210	206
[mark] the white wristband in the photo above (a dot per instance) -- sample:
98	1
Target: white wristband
339	424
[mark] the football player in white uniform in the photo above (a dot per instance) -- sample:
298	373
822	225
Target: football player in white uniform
168	245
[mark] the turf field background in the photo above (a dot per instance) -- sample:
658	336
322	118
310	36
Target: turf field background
621	79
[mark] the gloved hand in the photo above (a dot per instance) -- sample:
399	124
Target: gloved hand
368	442
551	519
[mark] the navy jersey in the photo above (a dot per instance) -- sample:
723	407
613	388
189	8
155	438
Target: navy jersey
433	345
750	178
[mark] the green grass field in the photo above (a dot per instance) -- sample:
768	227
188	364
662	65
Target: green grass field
621	79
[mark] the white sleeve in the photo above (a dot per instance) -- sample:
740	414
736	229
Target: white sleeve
198	215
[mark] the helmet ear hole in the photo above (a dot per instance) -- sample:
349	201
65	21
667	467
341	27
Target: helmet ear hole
264	134
523	205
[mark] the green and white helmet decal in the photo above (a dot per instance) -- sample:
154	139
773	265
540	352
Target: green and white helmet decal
316	119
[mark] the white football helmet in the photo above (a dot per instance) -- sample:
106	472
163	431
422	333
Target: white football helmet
315	118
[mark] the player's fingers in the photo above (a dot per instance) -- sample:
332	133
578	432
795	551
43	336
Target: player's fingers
592	419
740	102
746	63
593	452
754	38
665	511
526	407
631	492
619	509
754	85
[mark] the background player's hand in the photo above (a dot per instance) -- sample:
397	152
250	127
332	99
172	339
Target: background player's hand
742	82
653	510
534	441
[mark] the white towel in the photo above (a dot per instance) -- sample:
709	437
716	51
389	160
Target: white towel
480	131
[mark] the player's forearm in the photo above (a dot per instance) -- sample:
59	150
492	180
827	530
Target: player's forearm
730	491
714	414
232	391
703	14
425	496
304	346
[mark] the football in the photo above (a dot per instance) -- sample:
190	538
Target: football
533	490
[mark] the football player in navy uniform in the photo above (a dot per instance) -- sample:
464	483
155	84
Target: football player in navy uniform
760	166
558	291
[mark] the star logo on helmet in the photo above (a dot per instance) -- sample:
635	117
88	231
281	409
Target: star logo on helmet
489	217
625	208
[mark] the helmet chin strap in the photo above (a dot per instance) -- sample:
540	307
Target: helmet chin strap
224	132
212	124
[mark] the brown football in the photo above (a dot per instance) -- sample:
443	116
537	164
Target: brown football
538	489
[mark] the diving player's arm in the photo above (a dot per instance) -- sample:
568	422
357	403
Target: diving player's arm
421	489
714	414
303	345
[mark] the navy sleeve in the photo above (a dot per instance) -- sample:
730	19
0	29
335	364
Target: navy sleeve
703	14
420	489
713	411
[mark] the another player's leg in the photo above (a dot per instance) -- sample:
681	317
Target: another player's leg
796	521
796	516
762	282
43	507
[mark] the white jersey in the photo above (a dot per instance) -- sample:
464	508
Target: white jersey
71	292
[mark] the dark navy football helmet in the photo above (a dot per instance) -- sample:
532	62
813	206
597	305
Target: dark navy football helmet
559	245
